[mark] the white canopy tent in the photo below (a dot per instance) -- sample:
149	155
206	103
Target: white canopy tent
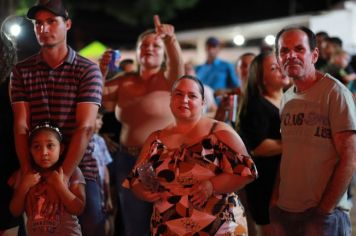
338	22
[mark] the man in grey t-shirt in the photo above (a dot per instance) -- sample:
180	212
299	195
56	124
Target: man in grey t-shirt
318	125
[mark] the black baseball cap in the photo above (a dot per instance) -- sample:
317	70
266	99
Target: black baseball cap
54	6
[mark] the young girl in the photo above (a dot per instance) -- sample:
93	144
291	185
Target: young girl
31	189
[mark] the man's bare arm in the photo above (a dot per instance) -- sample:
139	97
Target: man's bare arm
345	143
175	64
85	119
21	112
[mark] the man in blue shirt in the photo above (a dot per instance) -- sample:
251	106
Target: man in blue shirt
352	87
216	73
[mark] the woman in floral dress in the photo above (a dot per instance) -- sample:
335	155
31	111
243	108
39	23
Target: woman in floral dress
191	170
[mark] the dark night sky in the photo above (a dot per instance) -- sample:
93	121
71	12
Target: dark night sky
89	26
206	13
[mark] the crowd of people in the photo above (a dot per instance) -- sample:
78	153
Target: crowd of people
262	147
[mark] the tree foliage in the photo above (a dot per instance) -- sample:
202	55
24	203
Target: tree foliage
131	12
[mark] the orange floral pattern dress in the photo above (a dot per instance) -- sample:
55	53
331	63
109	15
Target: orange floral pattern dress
177	170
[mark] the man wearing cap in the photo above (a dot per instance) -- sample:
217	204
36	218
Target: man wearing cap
59	85
216	73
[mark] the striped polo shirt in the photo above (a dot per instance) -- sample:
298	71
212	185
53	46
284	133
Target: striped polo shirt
53	94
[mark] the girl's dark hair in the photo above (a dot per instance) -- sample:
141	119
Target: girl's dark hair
47	125
101	110
195	79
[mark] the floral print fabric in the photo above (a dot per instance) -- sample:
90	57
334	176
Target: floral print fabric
178	170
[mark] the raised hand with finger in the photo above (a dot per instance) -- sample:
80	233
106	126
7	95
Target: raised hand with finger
163	30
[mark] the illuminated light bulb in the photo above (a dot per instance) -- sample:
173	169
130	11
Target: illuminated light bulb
15	30
269	39
239	40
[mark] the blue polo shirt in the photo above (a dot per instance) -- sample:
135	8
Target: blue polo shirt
218	75
352	86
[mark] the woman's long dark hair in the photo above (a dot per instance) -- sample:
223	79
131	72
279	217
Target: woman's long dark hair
255	85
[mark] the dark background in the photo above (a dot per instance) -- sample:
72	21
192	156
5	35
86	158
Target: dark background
90	25
97	23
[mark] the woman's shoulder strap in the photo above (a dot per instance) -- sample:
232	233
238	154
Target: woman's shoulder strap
213	127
